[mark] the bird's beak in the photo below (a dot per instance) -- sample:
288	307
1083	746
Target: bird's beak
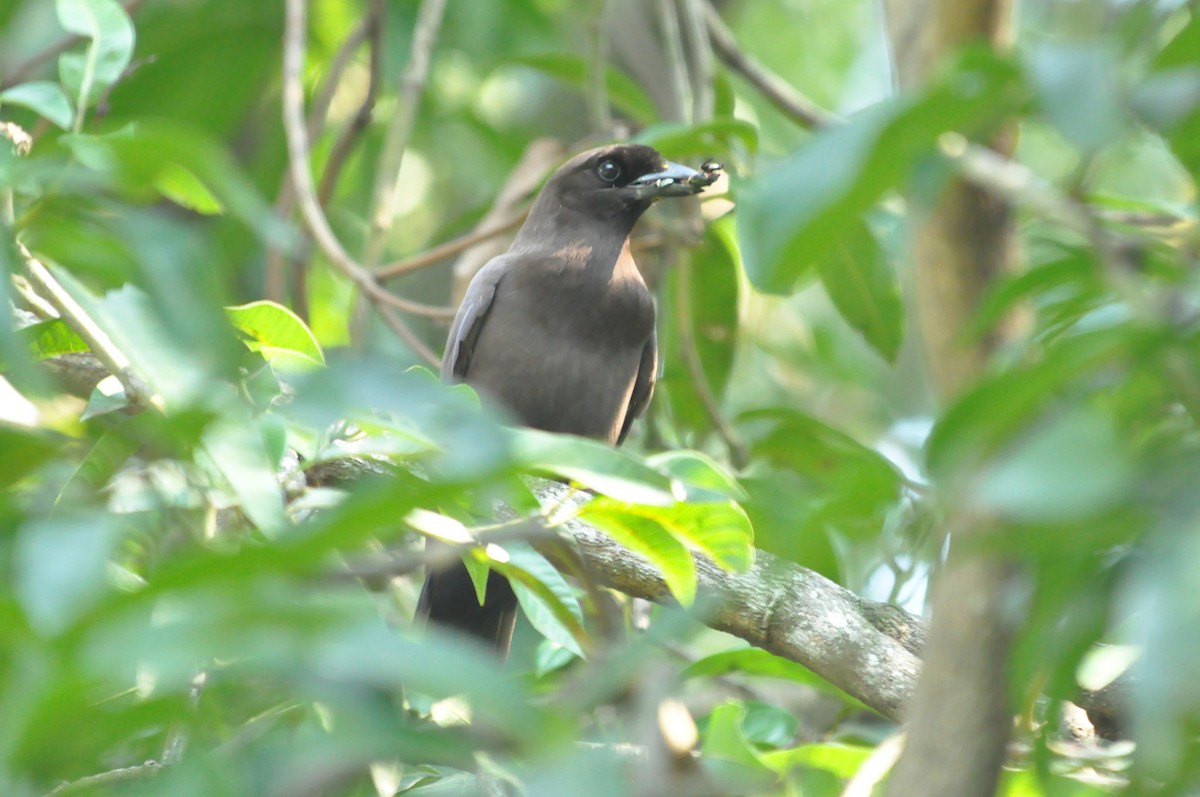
674	180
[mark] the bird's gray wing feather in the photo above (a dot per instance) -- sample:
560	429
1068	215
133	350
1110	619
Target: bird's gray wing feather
643	385
469	320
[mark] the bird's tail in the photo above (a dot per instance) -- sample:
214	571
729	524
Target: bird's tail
448	598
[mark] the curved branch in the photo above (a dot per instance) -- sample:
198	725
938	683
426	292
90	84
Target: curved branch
775	605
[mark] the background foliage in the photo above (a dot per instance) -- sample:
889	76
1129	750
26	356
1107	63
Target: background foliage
175	590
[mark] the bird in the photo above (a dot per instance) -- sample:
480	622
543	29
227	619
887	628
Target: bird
559	332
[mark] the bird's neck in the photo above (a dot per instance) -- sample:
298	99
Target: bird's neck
584	243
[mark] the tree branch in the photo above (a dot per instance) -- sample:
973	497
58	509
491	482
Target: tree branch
778	606
310	209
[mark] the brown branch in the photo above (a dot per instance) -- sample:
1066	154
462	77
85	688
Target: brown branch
316	120
778	91
310	209
442	251
350	134
775	605
400	127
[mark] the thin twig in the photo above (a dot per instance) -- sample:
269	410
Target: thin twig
399	130
738	454
599	113
701	59
108	778
136	390
349	136
310	208
668	22
21	71
442	251
274	280
777	90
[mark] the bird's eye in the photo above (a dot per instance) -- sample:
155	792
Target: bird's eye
608	171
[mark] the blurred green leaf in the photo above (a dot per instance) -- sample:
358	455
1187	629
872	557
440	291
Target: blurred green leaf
705	140
110	36
860	281
549	603
1077	89
852	486
592	464
43	98
766	725
792	214
1070	466
239	453
700	476
275	330
144	155
61	567
841	760
706	291
623	92
724	739
1170	98
25	450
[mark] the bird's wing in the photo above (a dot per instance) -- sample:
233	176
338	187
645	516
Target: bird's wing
643	385
469	320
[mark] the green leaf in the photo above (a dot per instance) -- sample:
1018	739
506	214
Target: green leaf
110	36
863	286
793	213
240	454
749	661
700	477
61	566
1071	466
107	396
706	140
594	465
843	760
623	92
43	98
545	597
766	725
707	287
185	189
24	451
1178	67
52	338
144	155
629	525
1077	88
988	417
276	332
723	737
849	485
721	530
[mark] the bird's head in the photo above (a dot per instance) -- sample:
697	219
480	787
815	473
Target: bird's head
622	180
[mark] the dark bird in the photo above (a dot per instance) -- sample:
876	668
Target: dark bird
559	331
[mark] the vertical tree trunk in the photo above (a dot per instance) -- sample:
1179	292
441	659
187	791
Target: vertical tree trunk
959	717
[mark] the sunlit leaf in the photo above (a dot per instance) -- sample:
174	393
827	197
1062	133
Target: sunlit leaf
629	525
275	330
